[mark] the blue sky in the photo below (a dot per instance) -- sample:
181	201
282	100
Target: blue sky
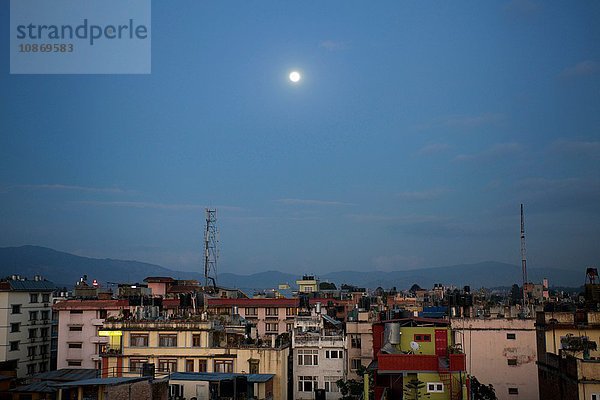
417	130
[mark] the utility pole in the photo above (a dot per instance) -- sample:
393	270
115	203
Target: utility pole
524	264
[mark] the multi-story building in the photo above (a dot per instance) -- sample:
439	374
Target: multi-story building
193	344
500	352
25	322
359	340
417	354
319	354
79	323
308	284
568	356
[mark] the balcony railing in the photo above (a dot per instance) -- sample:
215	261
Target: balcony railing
420	362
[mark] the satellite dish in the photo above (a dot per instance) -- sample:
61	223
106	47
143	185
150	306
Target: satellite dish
414	346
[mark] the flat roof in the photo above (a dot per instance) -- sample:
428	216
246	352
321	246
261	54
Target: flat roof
101	381
219	376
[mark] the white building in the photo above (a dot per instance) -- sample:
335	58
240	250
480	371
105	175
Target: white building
25	322
319	349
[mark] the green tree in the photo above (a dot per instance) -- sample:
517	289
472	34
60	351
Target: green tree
352	389
481	391
412	390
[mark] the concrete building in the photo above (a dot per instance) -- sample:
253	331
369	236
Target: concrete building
79	323
359	340
193	345
319	354
25	323
568	356
417	350
501	352
308	284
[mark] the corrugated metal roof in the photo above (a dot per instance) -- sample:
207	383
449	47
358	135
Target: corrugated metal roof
101	381
218	376
67	375
36	387
31	286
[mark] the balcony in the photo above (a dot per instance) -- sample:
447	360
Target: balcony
112	351
155	325
392	363
99	339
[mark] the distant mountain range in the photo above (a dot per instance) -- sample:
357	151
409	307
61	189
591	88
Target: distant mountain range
65	269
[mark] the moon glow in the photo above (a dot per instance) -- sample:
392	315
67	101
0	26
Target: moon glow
295	76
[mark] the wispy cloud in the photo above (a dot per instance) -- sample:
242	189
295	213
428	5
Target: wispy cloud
523	7
312	202
400	219
57	187
423	195
160	206
463	121
583	68
575	194
577	148
433	148
492	153
333	45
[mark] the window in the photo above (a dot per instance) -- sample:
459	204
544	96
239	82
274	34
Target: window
30	369
334	354
45	315
307	383
330	383
289	326
419	337
355	341
290	311
202	366
253	366
75	328
138	340
271	327
74	363
43	350
175	391
308	357
251	311
33	333
355	364
135	364
33	297
76	312
196	340
167	365
14	346
513	390
16	309
46	298
15	327
272	311
31	350
43	367
76	345
511	336
44	333
33	315
189	365
223	366
512	361
435	387
595	396
102	314
167	340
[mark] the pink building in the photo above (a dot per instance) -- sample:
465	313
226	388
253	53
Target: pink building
502	352
79	321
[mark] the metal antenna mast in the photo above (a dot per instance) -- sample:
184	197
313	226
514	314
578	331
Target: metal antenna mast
211	253
523	258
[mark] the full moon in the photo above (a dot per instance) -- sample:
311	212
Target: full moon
295	76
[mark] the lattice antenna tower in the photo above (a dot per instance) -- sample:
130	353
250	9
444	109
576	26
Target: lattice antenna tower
523	258
211	251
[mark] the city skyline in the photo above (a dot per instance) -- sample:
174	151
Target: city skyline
412	138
